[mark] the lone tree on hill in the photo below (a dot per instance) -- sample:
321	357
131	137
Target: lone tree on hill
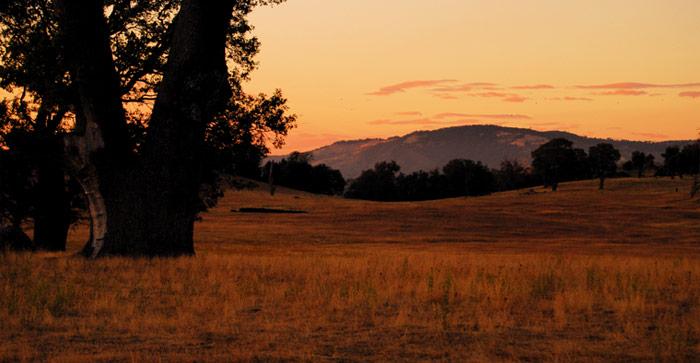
554	161
603	160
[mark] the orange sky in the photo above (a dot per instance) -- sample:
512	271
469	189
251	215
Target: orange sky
369	68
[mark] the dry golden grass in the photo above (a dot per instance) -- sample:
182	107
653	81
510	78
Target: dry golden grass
572	276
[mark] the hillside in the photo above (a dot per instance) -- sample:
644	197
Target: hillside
576	275
573	219
432	149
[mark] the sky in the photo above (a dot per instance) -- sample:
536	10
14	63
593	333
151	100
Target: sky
377	68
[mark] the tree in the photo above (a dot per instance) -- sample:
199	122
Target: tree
513	175
554	161
639	162
603	160
376	184
138	41
296	172
143	199
468	178
16	181
672	161
421	185
689	159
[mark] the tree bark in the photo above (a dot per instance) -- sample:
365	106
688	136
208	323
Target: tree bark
52	214
194	89
145	205
52	207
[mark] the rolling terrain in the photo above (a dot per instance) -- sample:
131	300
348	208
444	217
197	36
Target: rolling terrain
576	275
427	150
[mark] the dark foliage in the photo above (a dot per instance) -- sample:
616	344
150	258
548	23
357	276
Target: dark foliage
512	175
35	71
603	159
640	163
296	172
557	161
459	178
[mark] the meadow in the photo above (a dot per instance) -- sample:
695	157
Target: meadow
576	275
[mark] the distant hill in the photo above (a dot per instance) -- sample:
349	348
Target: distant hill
425	150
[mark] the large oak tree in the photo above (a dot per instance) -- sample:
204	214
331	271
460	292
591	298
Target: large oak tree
142	172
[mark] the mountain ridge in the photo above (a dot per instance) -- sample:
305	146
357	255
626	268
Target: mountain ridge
430	149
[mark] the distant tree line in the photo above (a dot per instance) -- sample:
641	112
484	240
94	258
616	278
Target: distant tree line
554	162
296	172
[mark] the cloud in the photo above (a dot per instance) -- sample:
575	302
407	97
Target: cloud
402	87
637	85
534	86
466	87
622	92
409	113
493	94
419	121
445	96
451	118
569	98
691	94
482	116
515	99
505	97
555	125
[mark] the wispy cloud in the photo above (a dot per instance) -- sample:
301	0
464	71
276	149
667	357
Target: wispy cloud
505	97
445	96
569	98
622	92
638	85
418	121
402	87
534	86
466	87
503	116
690	94
555	125
515	99
452	118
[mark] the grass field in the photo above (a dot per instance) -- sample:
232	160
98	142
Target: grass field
577	275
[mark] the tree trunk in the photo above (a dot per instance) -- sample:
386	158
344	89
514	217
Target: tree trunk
145	205
195	88
52	214
601	186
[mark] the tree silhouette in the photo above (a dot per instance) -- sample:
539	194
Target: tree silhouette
641	162
139	42
468	178
554	161
689	159
672	161
513	175
296	172
603	160
376	184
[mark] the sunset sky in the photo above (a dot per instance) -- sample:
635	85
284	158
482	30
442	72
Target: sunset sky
378	68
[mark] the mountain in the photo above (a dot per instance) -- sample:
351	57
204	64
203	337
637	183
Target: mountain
426	150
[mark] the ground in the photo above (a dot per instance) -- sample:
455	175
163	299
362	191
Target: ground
576	275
